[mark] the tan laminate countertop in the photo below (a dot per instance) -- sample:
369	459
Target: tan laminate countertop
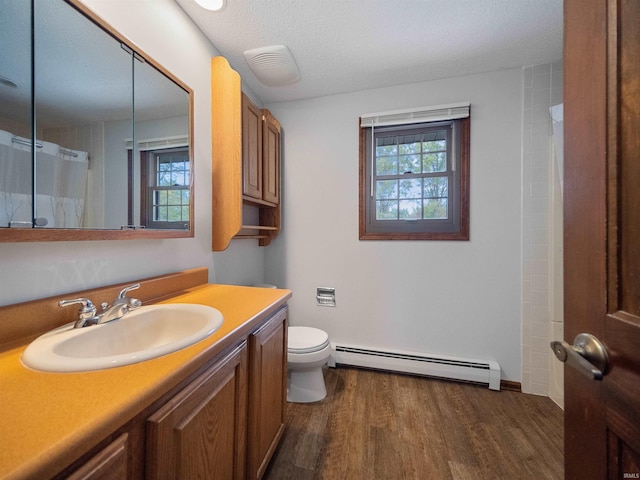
45	416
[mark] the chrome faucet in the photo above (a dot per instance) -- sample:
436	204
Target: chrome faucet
88	315
120	307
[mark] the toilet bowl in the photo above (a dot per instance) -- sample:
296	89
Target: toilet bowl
308	351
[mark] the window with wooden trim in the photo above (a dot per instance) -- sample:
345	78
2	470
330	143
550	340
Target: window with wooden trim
165	196
414	179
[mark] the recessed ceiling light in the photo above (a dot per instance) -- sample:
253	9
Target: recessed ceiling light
5	82
213	5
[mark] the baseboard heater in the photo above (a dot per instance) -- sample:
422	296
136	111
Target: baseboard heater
454	368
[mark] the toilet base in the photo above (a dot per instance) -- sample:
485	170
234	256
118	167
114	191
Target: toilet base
306	386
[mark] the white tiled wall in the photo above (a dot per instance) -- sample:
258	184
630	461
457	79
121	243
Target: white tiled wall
542	87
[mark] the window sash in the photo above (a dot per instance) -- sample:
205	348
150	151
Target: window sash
167	193
451	221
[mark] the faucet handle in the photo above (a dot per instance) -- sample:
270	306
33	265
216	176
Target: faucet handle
87	310
134	303
124	291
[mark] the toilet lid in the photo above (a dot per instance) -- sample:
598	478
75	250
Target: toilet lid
306	339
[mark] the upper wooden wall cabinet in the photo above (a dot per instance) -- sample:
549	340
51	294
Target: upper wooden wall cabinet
245	161
260	155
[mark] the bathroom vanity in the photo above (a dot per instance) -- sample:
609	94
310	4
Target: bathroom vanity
214	409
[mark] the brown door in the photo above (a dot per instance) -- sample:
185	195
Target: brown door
602	235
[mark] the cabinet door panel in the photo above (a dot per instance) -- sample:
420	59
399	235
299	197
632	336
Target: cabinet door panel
251	149
271	159
267	392
201	432
109	464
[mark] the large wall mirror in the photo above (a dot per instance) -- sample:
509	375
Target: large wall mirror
95	137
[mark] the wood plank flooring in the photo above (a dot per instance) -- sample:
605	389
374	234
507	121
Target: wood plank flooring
376	425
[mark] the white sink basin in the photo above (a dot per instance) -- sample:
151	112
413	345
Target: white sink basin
145	333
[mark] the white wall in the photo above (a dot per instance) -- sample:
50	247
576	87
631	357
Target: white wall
34	270
456	298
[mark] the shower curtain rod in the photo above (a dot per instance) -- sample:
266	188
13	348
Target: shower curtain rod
27	142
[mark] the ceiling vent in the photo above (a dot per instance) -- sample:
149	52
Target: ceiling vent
274	66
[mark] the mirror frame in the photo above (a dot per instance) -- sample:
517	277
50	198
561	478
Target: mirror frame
78	234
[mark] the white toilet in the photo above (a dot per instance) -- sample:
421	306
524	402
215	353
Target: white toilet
308	351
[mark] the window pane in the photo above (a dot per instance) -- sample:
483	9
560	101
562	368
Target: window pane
434	146
386	189
386	210
164	179
177	178
174	214
436	208
410	209
174	197
160	214
434	162
436	187
386	146
386	165
434	141
408	144
410	163
411	188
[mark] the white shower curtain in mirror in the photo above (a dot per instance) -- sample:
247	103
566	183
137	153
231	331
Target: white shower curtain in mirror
61	182
15	181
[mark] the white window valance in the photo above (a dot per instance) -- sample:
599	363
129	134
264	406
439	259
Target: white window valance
158	143
416	115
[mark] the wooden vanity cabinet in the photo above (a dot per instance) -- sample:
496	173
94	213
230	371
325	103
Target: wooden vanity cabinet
228	422
267	392
224	424
201	432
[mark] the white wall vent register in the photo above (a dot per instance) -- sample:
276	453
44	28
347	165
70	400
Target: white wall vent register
274	66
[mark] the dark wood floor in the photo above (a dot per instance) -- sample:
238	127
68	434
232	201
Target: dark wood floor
376	425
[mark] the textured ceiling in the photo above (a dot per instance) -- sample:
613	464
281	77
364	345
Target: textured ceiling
348	45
